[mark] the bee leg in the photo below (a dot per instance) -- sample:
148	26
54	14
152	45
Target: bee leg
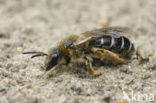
90	69
52	71
109	55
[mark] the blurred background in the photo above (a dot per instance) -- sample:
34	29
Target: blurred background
38	24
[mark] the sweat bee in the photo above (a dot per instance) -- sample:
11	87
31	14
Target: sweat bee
108	43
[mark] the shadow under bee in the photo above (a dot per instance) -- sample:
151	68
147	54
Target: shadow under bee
75	69
79	69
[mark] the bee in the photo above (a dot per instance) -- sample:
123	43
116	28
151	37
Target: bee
109	43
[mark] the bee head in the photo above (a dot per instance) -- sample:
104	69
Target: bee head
52	57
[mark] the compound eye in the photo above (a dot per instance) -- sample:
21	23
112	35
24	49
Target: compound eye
55	56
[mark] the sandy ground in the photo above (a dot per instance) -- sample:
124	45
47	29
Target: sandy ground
38	24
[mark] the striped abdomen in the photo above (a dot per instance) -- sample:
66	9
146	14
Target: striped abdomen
117	44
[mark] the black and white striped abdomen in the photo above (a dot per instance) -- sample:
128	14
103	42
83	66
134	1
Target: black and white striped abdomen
121	44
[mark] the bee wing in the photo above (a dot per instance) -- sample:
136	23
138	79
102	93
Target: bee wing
88	36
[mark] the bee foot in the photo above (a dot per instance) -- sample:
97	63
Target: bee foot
46	76
95	73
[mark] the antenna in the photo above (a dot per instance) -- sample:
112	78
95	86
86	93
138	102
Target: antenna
36	54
